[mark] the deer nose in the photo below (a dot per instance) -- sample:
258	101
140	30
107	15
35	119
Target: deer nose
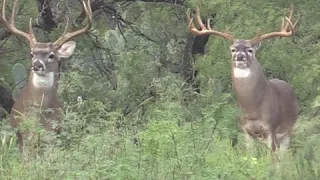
240	57
37	65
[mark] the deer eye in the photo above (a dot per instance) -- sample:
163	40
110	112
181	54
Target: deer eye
250	50
51	56
233	50
31	55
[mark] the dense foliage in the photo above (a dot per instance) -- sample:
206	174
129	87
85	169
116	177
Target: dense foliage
130	113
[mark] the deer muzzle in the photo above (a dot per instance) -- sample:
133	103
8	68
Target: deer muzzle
38	66
240	60
240	56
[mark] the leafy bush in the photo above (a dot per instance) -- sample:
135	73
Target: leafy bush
130	114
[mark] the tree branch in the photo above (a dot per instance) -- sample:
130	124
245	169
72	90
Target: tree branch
47	21
179	2
5	35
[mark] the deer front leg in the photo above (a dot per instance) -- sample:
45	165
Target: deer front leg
283	139
51	120
27	142
284	142
249	141
273	141
274	145
268	140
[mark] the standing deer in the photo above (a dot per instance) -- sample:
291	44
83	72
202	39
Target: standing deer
271	106
41	90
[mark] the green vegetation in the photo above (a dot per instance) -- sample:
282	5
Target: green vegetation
139	119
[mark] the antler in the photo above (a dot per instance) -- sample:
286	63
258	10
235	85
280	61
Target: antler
203	29
11	26
287	28
69	35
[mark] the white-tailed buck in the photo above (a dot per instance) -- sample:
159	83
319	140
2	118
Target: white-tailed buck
41	90
271	106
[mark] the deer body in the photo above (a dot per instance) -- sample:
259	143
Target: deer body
40	95
42	99
270	107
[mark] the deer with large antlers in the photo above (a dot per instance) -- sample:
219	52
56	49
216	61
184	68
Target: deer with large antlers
41	90
271	106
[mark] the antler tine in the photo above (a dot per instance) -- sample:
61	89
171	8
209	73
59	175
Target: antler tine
190	20
289	18
69	35
294	26
198	16
203	29
287	28
32	37
11	26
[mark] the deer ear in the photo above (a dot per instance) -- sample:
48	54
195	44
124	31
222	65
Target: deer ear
67	49
257	46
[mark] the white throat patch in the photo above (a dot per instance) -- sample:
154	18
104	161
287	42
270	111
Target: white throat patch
45	81
241	73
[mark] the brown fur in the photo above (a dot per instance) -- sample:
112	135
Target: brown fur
41	91
270	106
44	102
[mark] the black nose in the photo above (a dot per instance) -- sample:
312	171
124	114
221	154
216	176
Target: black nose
240	57
37	65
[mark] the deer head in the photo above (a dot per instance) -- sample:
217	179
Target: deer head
243	51
45	56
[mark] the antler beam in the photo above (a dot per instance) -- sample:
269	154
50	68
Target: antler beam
69	35
11	26
287	28
203	29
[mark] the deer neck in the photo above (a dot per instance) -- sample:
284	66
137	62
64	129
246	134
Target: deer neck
42	89
250	86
